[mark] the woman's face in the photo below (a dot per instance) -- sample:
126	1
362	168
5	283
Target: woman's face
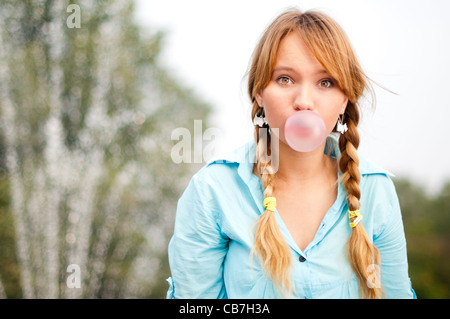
299	82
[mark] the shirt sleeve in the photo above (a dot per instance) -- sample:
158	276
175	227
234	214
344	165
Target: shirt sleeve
391	244
198	247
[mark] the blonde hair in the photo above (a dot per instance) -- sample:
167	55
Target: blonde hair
330	45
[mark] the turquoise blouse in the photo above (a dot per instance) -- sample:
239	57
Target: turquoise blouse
209	252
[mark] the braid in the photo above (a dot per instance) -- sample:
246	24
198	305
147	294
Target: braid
362	253
349	162
270	246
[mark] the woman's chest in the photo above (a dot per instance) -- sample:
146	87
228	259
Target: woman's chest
325	273
303	212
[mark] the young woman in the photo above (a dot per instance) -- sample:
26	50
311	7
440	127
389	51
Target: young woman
324	223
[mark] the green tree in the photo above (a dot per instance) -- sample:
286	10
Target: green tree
427	222
86	175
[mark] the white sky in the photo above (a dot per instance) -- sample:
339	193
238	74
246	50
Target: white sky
403	45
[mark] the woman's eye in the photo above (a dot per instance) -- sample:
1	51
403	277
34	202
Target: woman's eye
325	83
284	80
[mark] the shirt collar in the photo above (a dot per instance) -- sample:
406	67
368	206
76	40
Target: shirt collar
246	154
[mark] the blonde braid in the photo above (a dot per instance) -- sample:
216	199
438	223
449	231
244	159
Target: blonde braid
270	246
362	253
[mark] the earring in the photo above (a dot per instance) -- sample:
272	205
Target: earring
260	119
341	126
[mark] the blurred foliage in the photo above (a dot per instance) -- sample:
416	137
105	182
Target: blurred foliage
427	223
86	176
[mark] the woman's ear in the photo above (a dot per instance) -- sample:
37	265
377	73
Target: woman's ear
344	106
259	99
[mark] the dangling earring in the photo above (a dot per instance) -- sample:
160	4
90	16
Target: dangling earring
260	119
341	126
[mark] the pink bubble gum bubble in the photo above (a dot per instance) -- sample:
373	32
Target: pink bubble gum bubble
305	131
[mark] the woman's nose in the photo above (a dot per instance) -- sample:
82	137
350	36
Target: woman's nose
303	98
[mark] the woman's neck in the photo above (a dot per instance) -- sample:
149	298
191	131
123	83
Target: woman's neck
296	168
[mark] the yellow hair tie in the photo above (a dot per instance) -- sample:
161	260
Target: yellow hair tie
353	214
270	203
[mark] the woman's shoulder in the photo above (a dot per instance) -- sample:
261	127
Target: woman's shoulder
222	169
368	167
376	180
243	153
379	200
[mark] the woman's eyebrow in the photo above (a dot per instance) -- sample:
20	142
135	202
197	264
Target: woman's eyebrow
283	68
287	68
321	72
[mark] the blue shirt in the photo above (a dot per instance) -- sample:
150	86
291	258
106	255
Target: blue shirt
209	252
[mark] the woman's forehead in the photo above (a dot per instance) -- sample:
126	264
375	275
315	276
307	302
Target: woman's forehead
294	55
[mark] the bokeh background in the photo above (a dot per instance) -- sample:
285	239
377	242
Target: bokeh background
87	116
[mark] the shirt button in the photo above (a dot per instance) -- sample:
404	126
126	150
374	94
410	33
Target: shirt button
301	259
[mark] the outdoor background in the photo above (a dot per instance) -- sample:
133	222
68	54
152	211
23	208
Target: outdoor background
87	116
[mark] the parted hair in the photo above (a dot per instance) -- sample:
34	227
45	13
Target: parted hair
330	45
